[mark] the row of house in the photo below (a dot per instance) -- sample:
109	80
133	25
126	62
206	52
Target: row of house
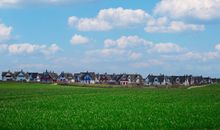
83	78
186	80
113	79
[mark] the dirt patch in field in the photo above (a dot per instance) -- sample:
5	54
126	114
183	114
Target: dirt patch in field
196	86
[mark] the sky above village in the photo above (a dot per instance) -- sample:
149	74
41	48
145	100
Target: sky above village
172	37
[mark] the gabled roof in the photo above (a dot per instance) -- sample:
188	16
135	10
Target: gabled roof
9	73
160	78
52	75
134	77
124	77
198	78
21	72
105	76
91	74
34	75
68	76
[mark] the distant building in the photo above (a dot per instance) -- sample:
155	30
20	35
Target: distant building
87	77
186	80
130	79
76	77
8	76
112	79
34	77
157	80
21	76
49	77
123	79
104	78
65	78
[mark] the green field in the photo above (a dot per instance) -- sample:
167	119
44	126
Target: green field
39	106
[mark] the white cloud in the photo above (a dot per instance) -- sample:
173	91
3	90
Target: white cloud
23	48
121	47
86	24
127	41
27	48
5	32
135	55
79	39
133	48
164	25
203	56
122	17
108	19
166	48
53	48
199	9
72	20
106	52
5	3
193	56
217	47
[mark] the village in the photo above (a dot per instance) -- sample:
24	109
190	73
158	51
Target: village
110	79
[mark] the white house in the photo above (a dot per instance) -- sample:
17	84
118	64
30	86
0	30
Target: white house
7	76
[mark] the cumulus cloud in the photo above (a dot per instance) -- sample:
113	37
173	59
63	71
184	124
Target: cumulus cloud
166	48
127	41
164	25
27	48
138	52
122	47
5	32
199	9
134	48
79	39
86	24
108	19
132	42
23	48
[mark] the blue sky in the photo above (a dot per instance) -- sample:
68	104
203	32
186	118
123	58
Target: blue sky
173	37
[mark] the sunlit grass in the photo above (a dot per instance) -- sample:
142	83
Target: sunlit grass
42	106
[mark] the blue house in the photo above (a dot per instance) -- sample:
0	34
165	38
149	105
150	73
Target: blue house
87	77
21	76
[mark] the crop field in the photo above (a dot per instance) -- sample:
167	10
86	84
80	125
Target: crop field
41	106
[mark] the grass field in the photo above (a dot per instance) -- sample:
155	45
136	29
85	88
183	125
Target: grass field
38	106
